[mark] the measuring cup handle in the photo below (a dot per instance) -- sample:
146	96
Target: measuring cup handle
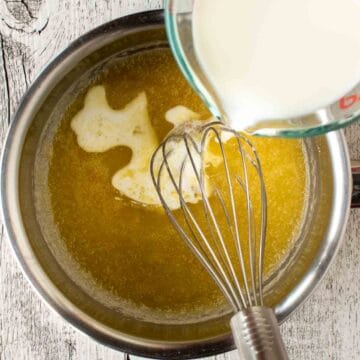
355	168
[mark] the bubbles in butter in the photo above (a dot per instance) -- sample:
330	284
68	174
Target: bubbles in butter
99	128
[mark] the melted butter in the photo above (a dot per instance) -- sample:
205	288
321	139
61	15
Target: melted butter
131	252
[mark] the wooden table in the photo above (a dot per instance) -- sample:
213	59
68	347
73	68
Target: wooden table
327	326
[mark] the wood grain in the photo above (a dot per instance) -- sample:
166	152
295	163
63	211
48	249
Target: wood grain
327	326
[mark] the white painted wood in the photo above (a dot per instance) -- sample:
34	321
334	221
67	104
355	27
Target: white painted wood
327	326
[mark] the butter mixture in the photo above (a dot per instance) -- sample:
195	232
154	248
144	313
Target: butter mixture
100	128
97	179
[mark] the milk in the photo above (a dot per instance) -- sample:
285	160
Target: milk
272	59
99	128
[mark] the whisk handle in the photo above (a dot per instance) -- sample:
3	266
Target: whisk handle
257	335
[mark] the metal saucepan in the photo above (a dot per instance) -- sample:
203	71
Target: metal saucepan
329	179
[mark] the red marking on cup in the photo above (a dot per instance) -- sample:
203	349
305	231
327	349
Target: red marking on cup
348	101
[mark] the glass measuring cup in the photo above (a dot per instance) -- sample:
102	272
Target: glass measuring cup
178	22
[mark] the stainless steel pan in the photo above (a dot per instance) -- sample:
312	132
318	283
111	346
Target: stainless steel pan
329	178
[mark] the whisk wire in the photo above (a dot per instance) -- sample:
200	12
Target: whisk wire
263	214
201	183
246	300
251	241
211	222
226	213
217	271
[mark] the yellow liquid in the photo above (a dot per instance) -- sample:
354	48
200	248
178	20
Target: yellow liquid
130	251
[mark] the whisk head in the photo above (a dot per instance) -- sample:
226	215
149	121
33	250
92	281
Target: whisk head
210	183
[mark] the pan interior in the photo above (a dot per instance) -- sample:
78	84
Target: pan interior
107	279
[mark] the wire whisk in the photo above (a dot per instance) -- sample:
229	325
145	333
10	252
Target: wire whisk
210	183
